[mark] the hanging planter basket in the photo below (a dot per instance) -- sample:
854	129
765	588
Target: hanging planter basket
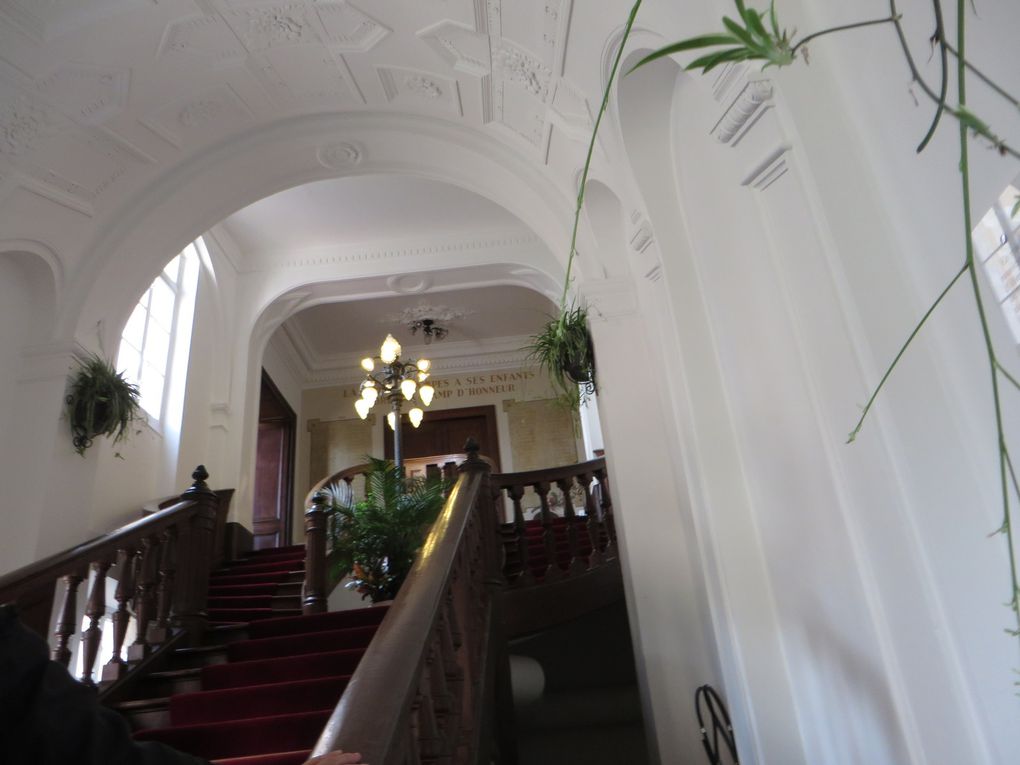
100	402
563	349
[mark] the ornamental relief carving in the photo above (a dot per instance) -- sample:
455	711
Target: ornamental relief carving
339	155
753	101
522	69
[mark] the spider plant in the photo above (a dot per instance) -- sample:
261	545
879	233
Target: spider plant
100	402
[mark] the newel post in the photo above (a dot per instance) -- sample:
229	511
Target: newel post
195	546
313	591
485	506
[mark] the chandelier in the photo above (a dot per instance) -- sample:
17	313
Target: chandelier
429	329
397	381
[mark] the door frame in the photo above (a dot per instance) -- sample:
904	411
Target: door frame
487	411
289	422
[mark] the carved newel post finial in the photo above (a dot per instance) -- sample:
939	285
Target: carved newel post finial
199	476
471	450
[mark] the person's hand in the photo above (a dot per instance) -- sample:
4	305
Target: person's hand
336	758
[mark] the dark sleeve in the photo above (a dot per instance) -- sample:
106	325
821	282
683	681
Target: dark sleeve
48	718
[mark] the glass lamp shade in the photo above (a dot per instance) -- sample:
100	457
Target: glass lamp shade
426	392
422	376
391	418
367	364
424	365
415	416
407	387
369	394
362	406
390	350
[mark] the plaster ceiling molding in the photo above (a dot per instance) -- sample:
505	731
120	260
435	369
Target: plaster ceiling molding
200	41
459	46
425	310
283	25
570	111
642	236
47	19
339	156
514	65
307	75
86	163
773	167
196	118
25	122
420	88
750	104
726	77
520	87
89	95
347	29
409	284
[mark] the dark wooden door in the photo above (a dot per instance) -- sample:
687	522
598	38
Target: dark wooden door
445	432
274	469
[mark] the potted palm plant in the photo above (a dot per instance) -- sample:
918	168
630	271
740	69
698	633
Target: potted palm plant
375	540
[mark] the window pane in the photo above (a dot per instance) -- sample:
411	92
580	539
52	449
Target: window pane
157	346
162	307
987	235
152	390
128	362
173	269
135	327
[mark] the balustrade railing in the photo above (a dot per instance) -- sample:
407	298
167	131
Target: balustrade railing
424	692
555	546
161	564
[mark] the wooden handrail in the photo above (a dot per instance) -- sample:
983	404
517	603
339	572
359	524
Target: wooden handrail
15	583
424	690
161	564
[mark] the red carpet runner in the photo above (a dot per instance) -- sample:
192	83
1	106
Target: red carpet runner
268	703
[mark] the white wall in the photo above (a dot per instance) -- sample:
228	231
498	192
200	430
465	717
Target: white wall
855	595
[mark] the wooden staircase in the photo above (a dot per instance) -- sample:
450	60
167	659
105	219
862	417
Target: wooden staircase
240	663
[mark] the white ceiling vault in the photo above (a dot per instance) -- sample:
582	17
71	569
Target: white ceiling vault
489	326
94	93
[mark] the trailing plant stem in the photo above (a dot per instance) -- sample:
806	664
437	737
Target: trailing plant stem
591	150
993	362
903	348
842	28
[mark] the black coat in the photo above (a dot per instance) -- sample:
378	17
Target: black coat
48	718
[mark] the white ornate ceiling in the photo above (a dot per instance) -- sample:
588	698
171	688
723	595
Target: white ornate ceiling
98	95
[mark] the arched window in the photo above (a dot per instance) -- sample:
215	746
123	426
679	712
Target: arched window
159	327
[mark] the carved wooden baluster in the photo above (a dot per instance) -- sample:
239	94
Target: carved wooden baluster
596	558
552	572
525	578
607	514
95	610
66	625
160	631
115	667
449	475
576	566
429	737
313	591
145	597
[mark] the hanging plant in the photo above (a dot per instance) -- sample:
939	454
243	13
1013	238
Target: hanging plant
100	403
563	349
